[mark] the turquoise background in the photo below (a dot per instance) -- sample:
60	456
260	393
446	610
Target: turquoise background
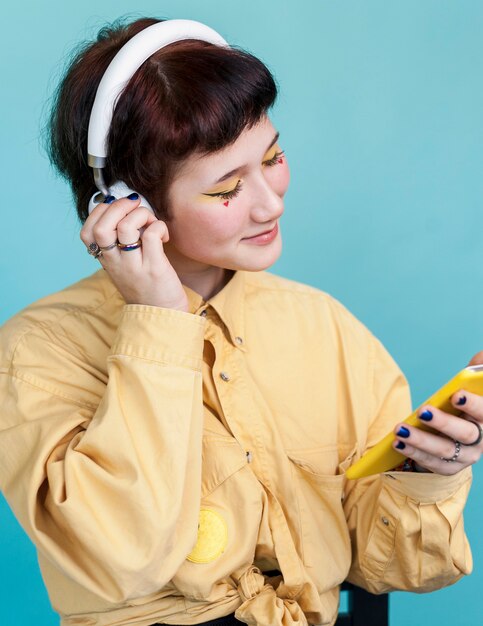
381	117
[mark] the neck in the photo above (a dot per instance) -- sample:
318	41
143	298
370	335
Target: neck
207	280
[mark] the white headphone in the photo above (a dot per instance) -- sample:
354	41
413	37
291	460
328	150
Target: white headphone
120	70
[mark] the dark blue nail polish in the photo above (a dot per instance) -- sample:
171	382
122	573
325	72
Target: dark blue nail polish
426	416
133	196
461	401
109	199
400	445
403	432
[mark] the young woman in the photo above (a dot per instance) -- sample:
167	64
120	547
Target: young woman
175	427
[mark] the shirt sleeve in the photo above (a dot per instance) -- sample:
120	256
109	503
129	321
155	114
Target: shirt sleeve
106	489
407	529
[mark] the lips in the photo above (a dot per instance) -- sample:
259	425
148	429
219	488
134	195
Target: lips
264	238
265	232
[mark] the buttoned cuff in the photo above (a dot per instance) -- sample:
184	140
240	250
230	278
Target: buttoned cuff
426	488
160	334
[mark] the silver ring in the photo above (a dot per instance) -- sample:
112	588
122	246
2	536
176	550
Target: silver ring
126	247
94	250
480	434
457	449
110	246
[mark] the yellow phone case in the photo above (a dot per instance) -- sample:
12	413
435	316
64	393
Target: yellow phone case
382	457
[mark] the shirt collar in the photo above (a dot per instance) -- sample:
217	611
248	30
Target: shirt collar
195	301
229	305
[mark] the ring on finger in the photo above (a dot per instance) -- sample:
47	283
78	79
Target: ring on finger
126	247
109	247
94	250
457	449
480	434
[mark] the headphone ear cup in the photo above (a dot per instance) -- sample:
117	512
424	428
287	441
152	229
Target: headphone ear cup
119	189
96	199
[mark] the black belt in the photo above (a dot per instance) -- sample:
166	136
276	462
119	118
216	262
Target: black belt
227	620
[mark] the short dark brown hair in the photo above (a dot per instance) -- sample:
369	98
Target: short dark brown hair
190	96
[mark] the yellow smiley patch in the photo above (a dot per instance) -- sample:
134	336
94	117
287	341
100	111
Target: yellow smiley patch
212	537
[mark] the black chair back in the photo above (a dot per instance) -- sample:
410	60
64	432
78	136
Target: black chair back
364	608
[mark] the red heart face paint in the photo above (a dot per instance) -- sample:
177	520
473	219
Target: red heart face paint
226	203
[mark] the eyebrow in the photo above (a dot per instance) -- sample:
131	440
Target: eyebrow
237	169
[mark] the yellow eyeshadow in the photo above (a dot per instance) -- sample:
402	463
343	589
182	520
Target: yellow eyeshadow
229	185
225	186
204	198
272	153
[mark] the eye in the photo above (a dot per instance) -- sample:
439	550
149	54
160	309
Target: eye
227	195
275	159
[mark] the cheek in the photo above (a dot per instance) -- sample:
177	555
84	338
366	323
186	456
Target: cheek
222	224
210	225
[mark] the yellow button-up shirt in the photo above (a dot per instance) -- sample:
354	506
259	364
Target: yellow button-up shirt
163	461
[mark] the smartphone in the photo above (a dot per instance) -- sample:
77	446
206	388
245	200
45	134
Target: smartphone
383	457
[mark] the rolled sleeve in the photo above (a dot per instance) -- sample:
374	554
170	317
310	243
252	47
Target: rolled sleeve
159	334
84	476
407	529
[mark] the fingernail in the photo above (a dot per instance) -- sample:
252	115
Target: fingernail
133	196
403	432
400	445
426	416
109	199
461	401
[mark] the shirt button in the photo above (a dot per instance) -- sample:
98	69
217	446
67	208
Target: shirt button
239	340
224	376
203	313
385	521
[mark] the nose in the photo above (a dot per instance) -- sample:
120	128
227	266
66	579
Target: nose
267	203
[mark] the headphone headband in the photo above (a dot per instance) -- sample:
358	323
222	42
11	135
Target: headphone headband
122	67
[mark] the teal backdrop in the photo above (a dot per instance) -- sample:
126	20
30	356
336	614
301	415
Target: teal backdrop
381	117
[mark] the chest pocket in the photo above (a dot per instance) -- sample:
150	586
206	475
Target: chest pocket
325	536
222	457
230	514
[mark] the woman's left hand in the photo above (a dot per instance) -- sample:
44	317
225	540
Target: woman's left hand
458	438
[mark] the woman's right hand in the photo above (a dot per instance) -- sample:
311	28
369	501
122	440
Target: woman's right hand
143	275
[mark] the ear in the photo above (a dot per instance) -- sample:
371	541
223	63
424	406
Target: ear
119	189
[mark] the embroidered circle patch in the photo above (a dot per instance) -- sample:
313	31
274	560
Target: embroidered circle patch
212	537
